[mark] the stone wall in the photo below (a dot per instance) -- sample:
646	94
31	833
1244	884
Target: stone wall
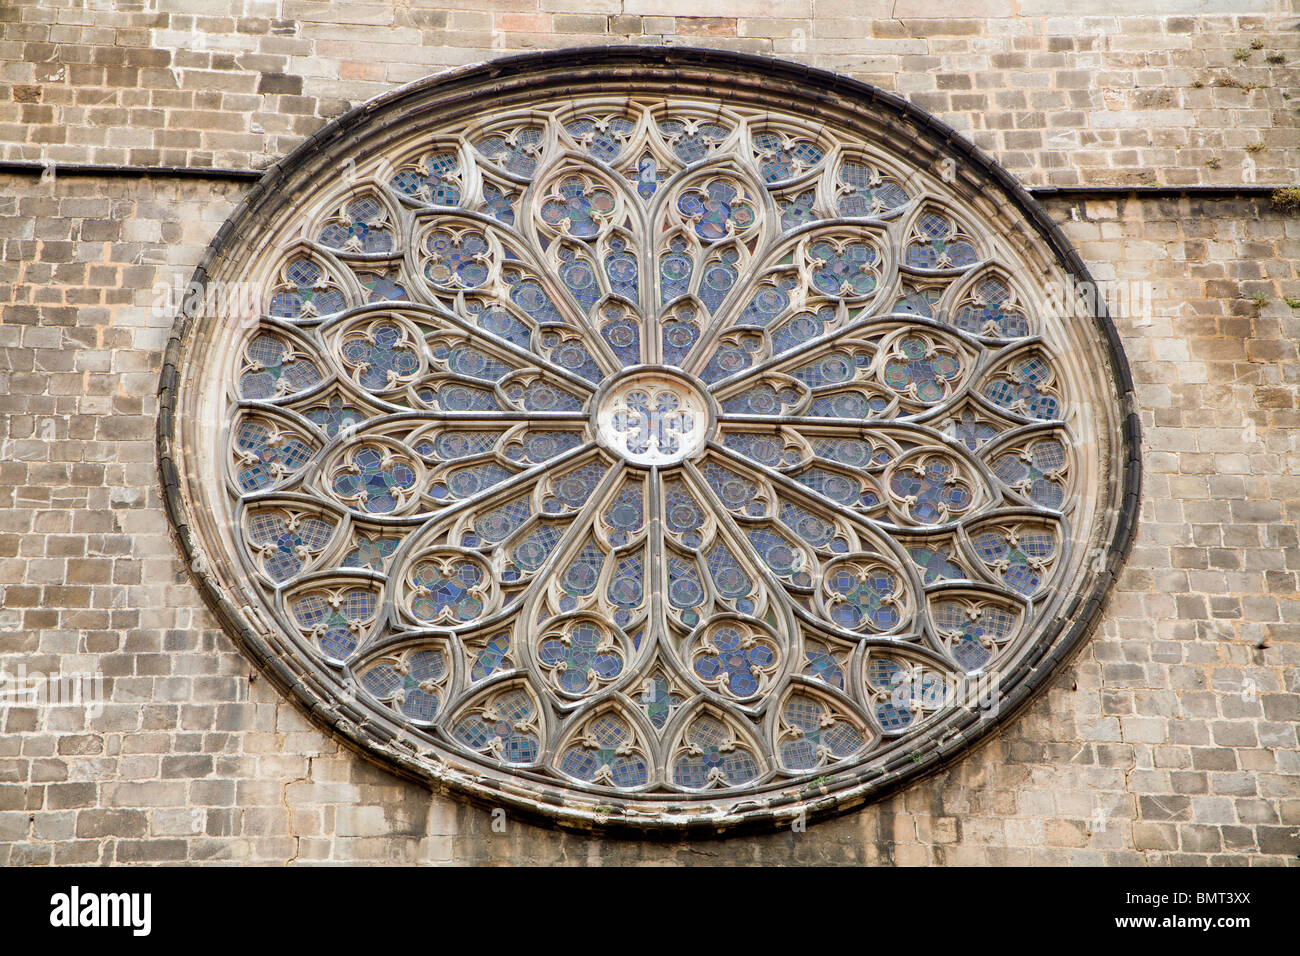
1155	96
1172	738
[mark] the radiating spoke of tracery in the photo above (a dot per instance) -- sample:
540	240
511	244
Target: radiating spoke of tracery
664	448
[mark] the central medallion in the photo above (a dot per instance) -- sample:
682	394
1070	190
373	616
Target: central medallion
656	417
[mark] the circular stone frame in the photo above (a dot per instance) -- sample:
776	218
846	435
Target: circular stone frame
745	79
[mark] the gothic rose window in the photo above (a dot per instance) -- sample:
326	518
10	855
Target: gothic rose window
668	443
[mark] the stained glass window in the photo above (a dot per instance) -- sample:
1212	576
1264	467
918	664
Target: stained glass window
687	456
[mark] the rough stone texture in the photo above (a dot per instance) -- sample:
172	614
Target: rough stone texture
1171	739
1155	95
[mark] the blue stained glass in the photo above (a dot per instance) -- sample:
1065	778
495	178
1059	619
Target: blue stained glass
940	247
869	194
934	491
851	405
675	269
382	286
603	139
920	373
819	736
449	591
466	482
796	210
647	177
626	589
690	144
575	488
536	445
310	293
572	356
915	301
542	396
736	660
838	487
863	600
973	636
410	689
682	513
335	627
814	529
730	358
717	211
281	543
623	335
580	662
736	492
832	369
767	303
473	363
500	729
1018	560
1035	472
382	361
529	295
684	588
680	333
605	755
779	554
713	758
492	657
622	270
503	325
382	680
761	400
499	523
455	397
718	278
335	417
822	665
781	158
579	278
360	229
1019	391
534	548
262	463
580	577
892	716
765	449
936	564
516	151
843	272
438	185
729	578
498	204
803	327
271	375
370	553
991	312
579	209
852	452
457	260
970	431
625	514
378	487
454	444
658	701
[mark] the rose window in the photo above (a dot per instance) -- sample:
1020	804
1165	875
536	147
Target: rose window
633	455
